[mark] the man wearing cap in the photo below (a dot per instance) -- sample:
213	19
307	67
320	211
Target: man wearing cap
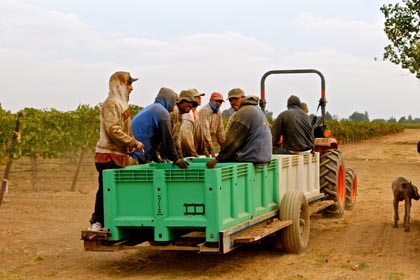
235	97
152	126
292	130
197	97
249	138
188	131
211	124
115	138
185	103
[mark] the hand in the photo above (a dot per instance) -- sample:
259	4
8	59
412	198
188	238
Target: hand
211	163
182	163
139	145
211	152
158	159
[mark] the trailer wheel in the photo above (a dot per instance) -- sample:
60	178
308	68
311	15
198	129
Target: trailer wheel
333	182
294	207
351	188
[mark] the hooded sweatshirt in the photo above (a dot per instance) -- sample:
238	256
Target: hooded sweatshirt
152	126
295	127
249	137
115	133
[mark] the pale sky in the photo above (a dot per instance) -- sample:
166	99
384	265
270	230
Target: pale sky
60	53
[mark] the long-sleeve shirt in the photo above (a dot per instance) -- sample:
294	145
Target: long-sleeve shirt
211	124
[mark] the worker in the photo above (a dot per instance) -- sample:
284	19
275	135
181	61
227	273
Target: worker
189	133
211	124
292	130
235	97
249	138
152	126
184	105
115	138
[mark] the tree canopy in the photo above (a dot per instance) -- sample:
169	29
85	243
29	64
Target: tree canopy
402	27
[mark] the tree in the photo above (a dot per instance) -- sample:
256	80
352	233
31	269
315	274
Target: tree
402	27
392	120
359	117
328	116
227	113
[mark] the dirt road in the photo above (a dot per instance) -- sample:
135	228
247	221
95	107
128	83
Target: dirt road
40	233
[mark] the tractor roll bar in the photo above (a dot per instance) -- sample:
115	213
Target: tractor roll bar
322	101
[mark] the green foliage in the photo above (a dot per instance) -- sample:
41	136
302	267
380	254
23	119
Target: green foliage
349	131
134	109
402	27
53	134
7	126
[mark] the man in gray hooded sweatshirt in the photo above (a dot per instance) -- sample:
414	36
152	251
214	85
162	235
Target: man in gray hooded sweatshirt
292	130
249	137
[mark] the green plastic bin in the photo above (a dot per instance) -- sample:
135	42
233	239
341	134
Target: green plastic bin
165	202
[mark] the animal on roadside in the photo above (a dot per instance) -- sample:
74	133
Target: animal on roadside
403	190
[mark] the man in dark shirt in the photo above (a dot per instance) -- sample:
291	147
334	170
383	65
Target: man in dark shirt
249	138
292	130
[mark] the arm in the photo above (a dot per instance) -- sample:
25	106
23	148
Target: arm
168	143
203	121
114	124
276	131
220	132
237	135
187	139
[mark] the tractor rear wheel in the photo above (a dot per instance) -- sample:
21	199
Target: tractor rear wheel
351	188
332	181
294	207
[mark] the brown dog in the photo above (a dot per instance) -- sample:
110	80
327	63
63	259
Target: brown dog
403	190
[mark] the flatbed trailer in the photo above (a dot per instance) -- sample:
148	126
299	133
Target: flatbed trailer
276	200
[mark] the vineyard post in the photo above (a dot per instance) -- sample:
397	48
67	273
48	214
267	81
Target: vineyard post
16	136
82	153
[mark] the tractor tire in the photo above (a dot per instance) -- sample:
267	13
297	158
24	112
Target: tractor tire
333	182
294	207
351	189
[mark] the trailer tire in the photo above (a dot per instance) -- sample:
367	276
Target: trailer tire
294	207
351	188
333	182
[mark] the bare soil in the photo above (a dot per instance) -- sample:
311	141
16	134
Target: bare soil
40	231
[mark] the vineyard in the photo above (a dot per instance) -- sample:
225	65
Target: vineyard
66	137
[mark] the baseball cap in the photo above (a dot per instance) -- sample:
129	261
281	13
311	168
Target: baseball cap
217	96
236	93
188	96
196	92
131	79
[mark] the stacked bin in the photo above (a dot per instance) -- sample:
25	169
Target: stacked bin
167	202
299	172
